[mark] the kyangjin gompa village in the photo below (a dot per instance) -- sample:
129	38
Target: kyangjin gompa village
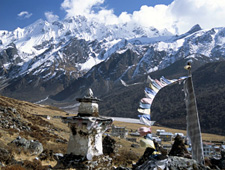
112	85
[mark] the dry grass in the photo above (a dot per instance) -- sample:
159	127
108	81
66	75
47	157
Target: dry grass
127	150
13	167
205	136
44	130
40	130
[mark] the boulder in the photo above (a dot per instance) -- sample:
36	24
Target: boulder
145	157
21	142
109	145
178	148
33	147
58	156
135	145
172	162
78	162
218	163
5	156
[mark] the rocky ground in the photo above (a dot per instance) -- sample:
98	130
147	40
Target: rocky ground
33	137
177	159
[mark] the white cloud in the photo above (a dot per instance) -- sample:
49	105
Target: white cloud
80	7
157	16
24	14
206	13
51	17
179	16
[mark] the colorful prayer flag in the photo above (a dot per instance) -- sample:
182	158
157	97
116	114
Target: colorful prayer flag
144	105
150	93
145	116
144	131
145	121
146	100
144	111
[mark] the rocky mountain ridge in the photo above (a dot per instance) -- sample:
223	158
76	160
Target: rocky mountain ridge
143	56
59	51
45	58
57	62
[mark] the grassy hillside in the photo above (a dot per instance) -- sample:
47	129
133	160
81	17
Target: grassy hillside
54	134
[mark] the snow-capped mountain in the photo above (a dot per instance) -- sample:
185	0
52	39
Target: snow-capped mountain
140	56
59	52
35	39
45	58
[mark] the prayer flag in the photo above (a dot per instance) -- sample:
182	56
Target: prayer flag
146	100
145	116
144	106
156	85
165	80
144	131
144	111
159	83
150	91
147	143
153	88
193	125
145	121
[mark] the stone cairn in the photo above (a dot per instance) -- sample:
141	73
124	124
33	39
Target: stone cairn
87	128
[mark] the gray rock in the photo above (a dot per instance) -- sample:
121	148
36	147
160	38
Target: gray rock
135	145
21	142
172	163
61	141
4	155
35	147
58	156
109	145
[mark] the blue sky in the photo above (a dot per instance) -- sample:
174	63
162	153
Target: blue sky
9	10
176	16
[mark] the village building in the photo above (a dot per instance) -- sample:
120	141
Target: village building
166	136
137	134
208	150
157	139
121	132
158	131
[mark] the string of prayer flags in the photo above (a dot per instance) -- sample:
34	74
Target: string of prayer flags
150	93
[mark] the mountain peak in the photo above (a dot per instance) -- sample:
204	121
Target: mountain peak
195	28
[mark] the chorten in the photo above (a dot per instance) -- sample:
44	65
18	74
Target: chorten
87	128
